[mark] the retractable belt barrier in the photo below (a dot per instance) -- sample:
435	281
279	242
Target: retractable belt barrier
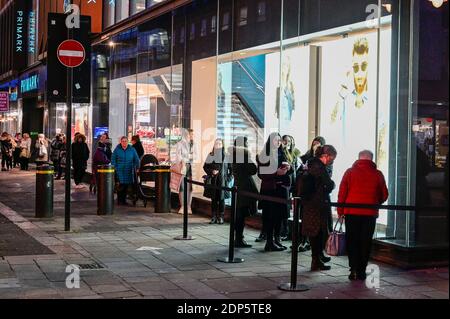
296	204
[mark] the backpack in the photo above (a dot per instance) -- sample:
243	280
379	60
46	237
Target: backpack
305	183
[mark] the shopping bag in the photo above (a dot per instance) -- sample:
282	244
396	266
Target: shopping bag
175	181
336	241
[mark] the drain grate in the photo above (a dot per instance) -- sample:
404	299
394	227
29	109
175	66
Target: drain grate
91	266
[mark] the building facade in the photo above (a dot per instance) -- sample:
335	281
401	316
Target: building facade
364	74
23	67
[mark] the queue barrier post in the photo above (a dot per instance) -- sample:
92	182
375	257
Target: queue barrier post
292	285
231	259
185	235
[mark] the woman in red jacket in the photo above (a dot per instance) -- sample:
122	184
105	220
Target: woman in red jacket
363	183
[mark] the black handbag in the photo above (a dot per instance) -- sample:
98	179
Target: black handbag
209	192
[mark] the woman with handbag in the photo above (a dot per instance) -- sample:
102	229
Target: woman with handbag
25	152
185	155
274	170
41	147
316	205
218	173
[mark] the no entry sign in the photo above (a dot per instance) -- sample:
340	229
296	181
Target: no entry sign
71	53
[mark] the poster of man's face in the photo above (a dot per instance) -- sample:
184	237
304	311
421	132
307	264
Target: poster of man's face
360	64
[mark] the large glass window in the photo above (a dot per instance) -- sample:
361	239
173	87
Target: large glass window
346	70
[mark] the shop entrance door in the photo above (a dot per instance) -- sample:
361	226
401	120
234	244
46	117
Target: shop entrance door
32	118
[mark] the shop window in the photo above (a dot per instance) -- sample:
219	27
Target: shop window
137	6
203	30
213	24
182	32
261	15
226	21
192	33
243	14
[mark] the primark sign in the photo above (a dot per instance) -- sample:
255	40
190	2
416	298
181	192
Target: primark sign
29	84
21	33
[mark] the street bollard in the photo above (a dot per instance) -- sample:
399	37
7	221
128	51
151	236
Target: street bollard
293	286
162	188
105	190
44	191
185	235
231	259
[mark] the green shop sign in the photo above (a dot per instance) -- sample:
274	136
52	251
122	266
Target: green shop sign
29	84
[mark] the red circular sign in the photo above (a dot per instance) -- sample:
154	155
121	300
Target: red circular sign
71	53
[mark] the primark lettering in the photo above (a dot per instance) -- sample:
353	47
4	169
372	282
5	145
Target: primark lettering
19	31
31	32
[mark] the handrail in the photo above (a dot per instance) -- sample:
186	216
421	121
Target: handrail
261	81
258	86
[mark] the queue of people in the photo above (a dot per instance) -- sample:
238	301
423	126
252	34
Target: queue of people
280	167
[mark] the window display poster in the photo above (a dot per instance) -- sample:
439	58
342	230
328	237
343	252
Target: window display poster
81	122
348	93
294	97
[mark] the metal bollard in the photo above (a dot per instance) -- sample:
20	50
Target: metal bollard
105	190
293	286
44	191
162	188
231	259
185	235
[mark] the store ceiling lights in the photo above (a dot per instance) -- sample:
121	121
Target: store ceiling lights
438	3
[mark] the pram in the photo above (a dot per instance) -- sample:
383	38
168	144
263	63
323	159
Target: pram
145	180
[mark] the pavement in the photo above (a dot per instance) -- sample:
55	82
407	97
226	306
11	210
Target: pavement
133	254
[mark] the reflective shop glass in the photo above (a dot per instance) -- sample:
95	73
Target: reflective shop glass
304	68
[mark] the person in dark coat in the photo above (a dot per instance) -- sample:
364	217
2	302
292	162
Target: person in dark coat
62	158
104	139
137	144
100	158
80	156
317	142
243	169
6	143
218	172
55	150
315	207
363	183
125	161
274	170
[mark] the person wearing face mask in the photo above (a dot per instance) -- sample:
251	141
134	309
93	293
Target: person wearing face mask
274	171
315	207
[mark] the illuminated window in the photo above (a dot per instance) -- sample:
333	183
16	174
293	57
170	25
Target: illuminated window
213	24
182	32
226	21
192	33
261	11
137	6
243	13
203	30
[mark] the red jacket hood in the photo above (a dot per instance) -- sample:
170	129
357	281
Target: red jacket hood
364	164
